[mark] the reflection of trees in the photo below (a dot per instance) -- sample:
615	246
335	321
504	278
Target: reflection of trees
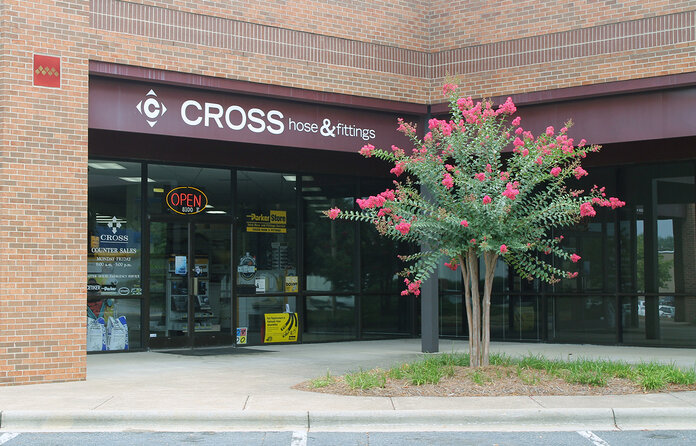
664	266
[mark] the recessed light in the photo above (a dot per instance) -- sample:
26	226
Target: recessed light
106	166
135	179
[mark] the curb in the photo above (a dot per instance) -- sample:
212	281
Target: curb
151	420
376	420
465	420
656	418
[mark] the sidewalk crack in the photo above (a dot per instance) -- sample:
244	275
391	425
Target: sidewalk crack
245	402
613	414
103	402
392	403
681	399
540	405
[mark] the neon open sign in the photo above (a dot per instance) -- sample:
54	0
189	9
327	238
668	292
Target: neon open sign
186	200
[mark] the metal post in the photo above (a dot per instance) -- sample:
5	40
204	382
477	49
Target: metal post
430	336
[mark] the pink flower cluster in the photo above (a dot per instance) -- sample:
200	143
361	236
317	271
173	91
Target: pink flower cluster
511	190
586	210
444	126
579	172
503	249
555	171
448	181
366	150
612	202
486	199
411	287
398	169
480	176
453	265
565	143
403	227
405	127
464	223
574	258
573	275
333	213
475	114
508	107
448	88
376	201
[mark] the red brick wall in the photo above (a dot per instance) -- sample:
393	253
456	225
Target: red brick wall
44	194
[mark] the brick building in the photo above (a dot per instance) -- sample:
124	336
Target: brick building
109	106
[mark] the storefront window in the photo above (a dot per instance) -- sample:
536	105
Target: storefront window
114	281
378	255
659	232
330	251
385	316
330	318
214	183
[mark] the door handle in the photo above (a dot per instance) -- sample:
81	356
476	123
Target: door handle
195	286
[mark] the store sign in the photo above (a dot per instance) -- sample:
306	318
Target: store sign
113	261
275	222
168	110
280	327
186	200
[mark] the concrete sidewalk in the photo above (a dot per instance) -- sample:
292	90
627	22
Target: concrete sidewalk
251	390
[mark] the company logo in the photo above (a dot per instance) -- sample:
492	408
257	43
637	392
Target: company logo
151	108
114	224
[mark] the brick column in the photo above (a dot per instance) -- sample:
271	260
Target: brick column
43	190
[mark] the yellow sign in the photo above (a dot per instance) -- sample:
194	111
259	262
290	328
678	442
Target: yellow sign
281	327
291	284
274	222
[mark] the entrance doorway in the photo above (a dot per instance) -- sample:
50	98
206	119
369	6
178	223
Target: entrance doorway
190	284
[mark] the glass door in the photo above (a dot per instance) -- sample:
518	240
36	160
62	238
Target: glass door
189	284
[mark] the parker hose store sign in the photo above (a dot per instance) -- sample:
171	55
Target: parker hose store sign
196	113
273	223
186	200
280	327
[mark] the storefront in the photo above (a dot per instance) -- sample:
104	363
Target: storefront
205	224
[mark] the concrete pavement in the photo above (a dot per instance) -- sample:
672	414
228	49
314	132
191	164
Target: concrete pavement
252	391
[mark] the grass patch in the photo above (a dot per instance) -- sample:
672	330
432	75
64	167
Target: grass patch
429	370
597	373
365	380
479	378
322	381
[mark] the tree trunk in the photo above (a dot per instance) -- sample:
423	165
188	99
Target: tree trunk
467	300
490	259
475	334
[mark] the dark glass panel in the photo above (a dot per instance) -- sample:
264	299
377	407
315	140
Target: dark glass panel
329	245
330	318
386	316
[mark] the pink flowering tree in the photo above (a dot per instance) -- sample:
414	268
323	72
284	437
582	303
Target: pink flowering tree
494	191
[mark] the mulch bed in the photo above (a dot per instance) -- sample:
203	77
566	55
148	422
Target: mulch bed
497	381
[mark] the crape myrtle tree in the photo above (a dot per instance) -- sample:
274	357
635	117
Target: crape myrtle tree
462	196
